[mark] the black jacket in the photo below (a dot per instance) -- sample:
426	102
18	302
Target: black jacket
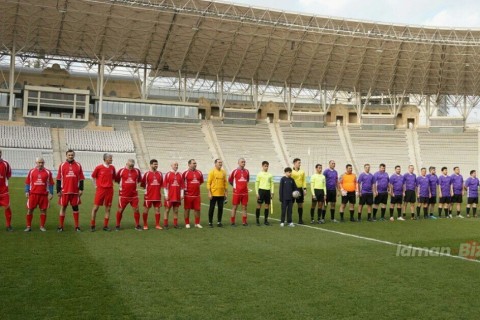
287	186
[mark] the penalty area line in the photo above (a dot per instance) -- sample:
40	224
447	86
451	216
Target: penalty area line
389	243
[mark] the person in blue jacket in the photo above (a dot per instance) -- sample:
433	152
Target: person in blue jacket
287	187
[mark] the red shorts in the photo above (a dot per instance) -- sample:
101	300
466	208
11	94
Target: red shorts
72	199
170	204
152	203
123	202
38	200
240	199
191	203
4	200
103	196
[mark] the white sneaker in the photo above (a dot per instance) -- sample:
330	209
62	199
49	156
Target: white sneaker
43	229
198	226
460	216
291	224
449	216
187	226
392	219
400	219
282	224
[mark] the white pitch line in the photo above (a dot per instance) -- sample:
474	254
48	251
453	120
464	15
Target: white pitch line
432	252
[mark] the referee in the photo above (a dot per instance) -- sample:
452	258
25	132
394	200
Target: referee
299	176
319	191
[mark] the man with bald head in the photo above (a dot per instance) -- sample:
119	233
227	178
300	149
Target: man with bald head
39	191
239	179
173	187
128	178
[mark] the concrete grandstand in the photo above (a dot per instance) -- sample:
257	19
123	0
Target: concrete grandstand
267	86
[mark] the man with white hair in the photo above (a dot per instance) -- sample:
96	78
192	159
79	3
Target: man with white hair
239	179
39	191
103	177
127	179
5	174
173	188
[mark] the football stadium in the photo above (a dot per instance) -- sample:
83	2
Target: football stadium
111	107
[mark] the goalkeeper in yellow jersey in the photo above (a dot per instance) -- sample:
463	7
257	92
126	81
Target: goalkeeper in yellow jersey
319	191
264	191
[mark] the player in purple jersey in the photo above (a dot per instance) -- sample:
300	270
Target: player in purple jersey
423	192
457	191
331	179
396	193
433	180
380	191
444	191
409	186
471	186
365	185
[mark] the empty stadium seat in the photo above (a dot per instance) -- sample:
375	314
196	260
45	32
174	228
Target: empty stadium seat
181	142
449	149
314	145
25	137
102	141
252	142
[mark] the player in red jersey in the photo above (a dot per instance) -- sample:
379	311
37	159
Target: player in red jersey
239	179
192	179
103	177
152	181
128	178
173	188
70	180
39	191
5	174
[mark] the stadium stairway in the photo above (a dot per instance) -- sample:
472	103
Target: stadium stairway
413	148
278	143
212	146
57	146
214	139
139	143
347	146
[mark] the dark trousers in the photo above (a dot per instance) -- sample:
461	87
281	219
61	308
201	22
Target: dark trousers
219	201
287	206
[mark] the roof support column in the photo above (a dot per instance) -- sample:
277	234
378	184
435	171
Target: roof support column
101	73
323	96
255	95
221	99
144	84
427	111
288	92
11	84
184	89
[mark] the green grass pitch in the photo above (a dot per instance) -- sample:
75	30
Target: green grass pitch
232	273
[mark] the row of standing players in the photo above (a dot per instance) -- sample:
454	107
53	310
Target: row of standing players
372	189
177	187
405	190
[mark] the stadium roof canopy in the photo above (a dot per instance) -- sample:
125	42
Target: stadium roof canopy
218	40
